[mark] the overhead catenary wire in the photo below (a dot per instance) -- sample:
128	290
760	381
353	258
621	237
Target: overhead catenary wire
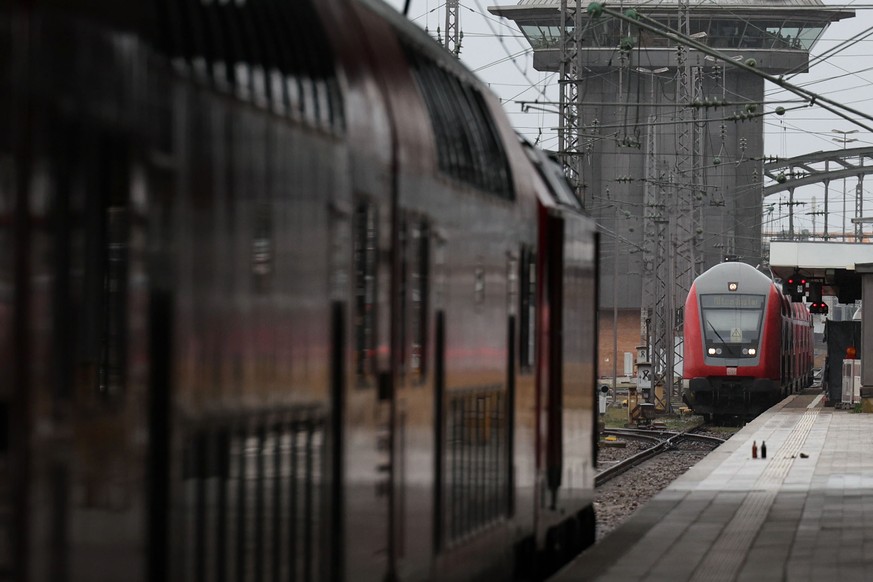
659	28
831	51
536	130
512	57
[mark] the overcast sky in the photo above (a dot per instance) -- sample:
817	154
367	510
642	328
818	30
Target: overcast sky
498	53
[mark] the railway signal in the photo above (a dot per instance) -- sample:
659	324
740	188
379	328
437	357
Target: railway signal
816	305
814	292
795	287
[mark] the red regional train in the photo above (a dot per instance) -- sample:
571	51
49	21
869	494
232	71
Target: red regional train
282	297
747	345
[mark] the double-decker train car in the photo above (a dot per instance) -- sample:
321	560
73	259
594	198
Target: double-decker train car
746	345
282	297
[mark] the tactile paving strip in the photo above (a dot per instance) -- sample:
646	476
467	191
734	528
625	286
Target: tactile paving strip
724	559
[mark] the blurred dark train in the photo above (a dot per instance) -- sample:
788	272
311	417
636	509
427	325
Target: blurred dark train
282	297
747	345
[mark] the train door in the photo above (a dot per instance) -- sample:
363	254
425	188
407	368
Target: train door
161	179
86	260
548	378
14	307
795	347
392	330
367	434
565	379
13	232
413	400
784	331
552	358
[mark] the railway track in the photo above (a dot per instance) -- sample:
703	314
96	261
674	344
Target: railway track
664	441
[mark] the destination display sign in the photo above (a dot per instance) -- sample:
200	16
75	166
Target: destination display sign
725	301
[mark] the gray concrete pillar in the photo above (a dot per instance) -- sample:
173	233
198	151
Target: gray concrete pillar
865	270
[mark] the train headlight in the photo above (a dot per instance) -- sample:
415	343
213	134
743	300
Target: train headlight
745	351
711	351
718	351
752	351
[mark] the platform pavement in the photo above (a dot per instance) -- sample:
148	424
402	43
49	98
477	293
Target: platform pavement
803	513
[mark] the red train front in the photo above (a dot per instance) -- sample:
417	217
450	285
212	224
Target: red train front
746	346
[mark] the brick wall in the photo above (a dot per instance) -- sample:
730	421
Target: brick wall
628	339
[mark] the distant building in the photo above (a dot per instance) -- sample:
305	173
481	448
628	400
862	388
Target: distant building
634	148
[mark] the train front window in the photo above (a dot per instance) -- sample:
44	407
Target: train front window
731	324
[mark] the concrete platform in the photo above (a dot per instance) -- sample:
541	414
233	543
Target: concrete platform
803	513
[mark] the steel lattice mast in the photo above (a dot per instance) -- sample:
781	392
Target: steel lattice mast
570	122
673	222
657	286
452	40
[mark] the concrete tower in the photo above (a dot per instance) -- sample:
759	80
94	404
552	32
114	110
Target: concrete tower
676	179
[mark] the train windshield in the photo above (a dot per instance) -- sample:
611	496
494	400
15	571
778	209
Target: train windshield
732	319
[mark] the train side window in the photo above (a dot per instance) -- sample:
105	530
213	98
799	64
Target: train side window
226	462
239	42
402	315
476	470
365	269
262	248
92	246
418	282
469	147
494	176
527	309
457	159
114	340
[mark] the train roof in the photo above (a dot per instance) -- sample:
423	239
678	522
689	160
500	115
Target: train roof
423	42
693	4
748	279
255	31
556	181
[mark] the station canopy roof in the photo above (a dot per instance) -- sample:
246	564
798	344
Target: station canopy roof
832	263
730	24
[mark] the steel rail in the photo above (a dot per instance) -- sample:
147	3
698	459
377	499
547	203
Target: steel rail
663	444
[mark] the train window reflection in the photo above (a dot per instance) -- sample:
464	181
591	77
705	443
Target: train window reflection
365	259
113	344
419	259
262	248
527	309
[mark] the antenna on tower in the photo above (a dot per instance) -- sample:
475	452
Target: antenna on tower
454	36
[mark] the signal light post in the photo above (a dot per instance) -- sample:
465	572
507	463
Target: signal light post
819	307
816	304
796	287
